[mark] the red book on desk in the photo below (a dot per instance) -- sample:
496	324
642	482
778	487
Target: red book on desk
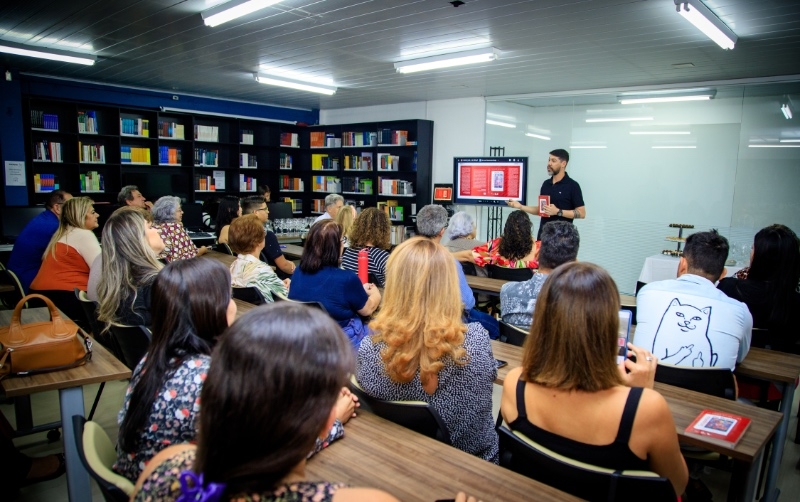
725	429
544	200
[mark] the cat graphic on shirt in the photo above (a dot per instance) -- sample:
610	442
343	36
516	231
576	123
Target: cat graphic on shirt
682	336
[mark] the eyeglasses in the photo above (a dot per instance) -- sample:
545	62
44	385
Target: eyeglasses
262	209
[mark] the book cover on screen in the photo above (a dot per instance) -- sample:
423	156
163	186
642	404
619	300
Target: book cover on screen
718	427
544	200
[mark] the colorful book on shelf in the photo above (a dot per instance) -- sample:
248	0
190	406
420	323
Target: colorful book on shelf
719	427
170	130
289	139
206	133
318	205
289	183
92	153
206	158
135	127
285	161
41	120
43	183
247	184
388	162
317	139
167	155
247	161
47	151
92	181
87	122
246	137
134	155
322	162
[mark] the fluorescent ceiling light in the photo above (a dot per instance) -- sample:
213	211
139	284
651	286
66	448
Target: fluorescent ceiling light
790	141
704	20
540	136
659	133
774	146
232	10
52	54
587	147
787	112
670	147
263	78
664	99
501	124
618	119
447	60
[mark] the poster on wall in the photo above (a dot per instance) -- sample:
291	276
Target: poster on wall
15	173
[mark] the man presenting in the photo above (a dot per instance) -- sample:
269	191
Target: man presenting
566	198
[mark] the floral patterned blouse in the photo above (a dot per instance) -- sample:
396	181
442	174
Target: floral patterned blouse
489	254
164	485
247	271
177	243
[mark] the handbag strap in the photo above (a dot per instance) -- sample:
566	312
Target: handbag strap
16	335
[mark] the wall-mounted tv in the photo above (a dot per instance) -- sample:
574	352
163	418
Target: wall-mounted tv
490	181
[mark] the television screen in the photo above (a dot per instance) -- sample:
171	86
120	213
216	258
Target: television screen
490	181
15	219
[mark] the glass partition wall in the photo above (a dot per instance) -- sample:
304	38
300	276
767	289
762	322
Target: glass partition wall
731	162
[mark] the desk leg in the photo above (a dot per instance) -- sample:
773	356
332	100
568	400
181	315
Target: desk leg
71	400
744	479
771	491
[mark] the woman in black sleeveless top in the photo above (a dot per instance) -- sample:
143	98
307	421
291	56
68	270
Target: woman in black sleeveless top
571	397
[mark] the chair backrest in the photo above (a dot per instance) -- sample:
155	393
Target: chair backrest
590	482
250	294
512	334
90	309
415	415
223	248
509	274
97	455
468	268
133	342
718	382
11	298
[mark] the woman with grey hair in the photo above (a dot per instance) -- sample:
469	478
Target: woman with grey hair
461	234
167	216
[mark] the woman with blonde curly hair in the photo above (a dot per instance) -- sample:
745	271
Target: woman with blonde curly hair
371	231
420	350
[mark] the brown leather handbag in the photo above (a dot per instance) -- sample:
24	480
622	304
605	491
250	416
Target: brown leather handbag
39	347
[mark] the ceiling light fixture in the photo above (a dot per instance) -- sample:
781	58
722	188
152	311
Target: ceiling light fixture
706	21
670	147
447	60
659	133
229	11
774	146
52	54
540	136
664	99
787	112
587	147
501	124
291	83
790	141
617	119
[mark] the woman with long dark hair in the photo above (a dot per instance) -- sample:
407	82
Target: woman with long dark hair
516	248
770	289
230	207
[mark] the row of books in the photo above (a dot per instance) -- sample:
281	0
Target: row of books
320	139
285	161
318	205
247	184
361	162
204	183
47	151
398	234
395	187
135	127
134	154
206	133
247	161
392	209
390	137
330	184
297	204
43	183
290	139
170	130
317	139
92	181
42	120
167	155
322	162
289	183
359	138
357	185
388	162
91	153
206	158
246	137
87	122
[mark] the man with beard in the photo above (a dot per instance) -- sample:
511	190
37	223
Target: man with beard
566	198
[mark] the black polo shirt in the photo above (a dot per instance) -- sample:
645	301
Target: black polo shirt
565	195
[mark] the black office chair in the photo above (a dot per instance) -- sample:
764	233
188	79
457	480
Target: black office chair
250	294
223	248
415	415
10	298
512	334
468	268
98	455
589	482
718	382
133	342
90	309
509	274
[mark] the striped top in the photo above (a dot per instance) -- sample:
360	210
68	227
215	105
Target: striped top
377	259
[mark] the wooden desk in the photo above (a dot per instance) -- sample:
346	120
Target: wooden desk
292	251
485	284
103	367
377	453
223	258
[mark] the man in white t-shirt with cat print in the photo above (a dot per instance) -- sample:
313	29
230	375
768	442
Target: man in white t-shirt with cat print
689	322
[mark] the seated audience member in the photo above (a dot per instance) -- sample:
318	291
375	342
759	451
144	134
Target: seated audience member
319	279
333	202
770	289
26	257
371	231
273	388
571	397
346	217
460	236
66	261
229	208
209	211
264	192
516	248
167	216
560	241
131	196
129	265
431	223
421	350
246	238
272	248
689	322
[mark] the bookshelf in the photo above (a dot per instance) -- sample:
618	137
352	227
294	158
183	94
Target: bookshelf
95	149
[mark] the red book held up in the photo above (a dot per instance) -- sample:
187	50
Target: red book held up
544	200
718	427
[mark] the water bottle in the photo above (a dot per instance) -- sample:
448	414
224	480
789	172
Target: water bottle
363	264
